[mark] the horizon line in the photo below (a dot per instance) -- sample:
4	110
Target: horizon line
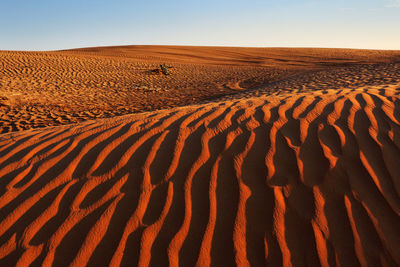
194	45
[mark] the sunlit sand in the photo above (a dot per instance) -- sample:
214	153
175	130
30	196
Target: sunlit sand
242	156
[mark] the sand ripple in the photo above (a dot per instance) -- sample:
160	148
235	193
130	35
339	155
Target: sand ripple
294	179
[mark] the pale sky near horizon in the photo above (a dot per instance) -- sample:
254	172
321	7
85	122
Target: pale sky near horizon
62	24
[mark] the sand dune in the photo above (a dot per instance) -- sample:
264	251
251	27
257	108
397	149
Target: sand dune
40	89
283	57
293	177
278	157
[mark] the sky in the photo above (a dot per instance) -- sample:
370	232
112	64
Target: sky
63	24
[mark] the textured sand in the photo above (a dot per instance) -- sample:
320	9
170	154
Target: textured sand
300	172
39	89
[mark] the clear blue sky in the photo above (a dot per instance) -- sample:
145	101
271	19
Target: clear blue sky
60	24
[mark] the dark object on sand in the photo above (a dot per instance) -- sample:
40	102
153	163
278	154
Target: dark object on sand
164	69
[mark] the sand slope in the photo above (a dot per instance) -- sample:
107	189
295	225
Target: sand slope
40	89
303	178
242	56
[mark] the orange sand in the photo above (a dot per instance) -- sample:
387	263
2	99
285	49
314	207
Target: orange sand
40	89
299	172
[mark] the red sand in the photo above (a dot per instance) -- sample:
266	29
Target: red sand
305	174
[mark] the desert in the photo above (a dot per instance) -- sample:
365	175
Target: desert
239	157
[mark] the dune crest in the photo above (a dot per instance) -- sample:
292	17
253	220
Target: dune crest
306	178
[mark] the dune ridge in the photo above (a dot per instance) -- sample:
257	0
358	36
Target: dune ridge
291	177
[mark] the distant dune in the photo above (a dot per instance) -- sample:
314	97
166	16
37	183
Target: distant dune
284	57
299	170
